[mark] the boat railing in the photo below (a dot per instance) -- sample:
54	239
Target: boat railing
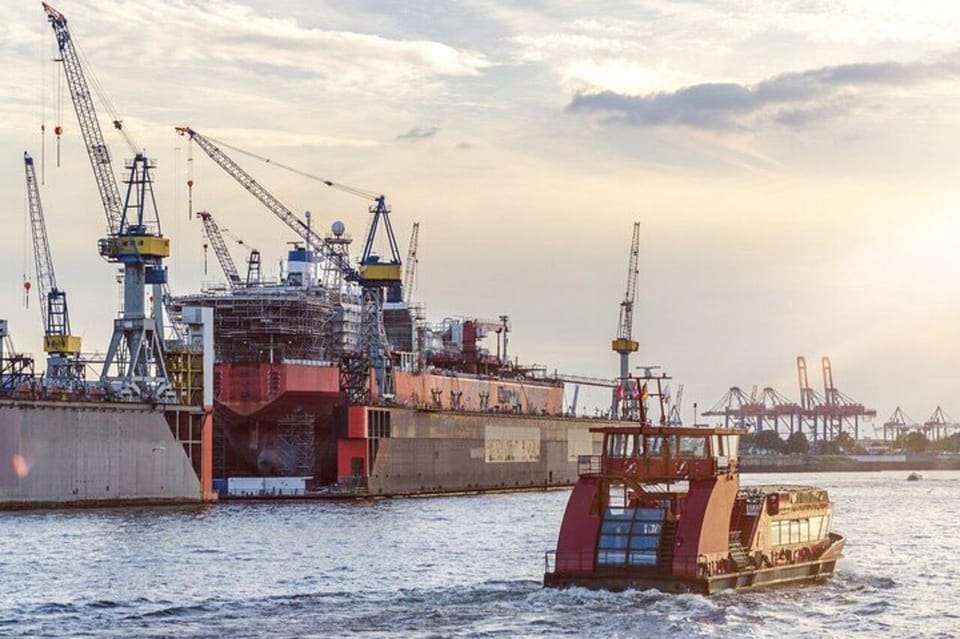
568	562
585	563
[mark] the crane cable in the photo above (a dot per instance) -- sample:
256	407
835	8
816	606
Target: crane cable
104	98
363	193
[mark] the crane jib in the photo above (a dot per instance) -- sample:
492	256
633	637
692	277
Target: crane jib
97	150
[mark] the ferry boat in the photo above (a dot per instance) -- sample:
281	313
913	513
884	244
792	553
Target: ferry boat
662	507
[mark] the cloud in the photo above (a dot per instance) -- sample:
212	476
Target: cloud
417	133
790	99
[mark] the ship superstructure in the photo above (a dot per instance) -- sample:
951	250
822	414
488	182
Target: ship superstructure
662	507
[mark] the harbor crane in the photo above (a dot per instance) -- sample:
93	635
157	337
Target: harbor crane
134	367
410	272
97	150
64	367
215	237
378	276
624	344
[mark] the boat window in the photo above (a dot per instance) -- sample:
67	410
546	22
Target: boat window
654	445
615	527
643	558
816	526
692	447
613	542
715	449
644	542
799	531
620	445
805	530
646	528
630	536
731	445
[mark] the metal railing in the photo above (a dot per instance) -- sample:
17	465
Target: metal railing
573	563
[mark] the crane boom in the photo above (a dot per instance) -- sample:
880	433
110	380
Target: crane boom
212	230
63	361
411	270
46	278
266	198
625	330
624	344
97	149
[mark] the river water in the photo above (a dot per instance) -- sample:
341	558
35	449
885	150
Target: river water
451	566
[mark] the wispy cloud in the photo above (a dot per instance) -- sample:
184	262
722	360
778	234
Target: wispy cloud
419	133
790	99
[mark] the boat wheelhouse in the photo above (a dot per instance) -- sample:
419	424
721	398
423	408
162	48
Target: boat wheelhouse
662	508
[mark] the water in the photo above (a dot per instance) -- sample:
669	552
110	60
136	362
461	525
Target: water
452	566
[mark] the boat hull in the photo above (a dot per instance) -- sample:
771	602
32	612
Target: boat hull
796	574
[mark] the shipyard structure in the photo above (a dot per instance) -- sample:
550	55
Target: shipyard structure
133	424
326	380
444	414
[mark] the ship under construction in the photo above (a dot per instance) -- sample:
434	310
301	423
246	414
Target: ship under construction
327	375
331	374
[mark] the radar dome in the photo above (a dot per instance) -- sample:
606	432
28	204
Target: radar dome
338	228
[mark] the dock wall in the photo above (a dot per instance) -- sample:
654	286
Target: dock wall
66	453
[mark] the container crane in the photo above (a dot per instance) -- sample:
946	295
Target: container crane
410	272
214	235
624	344
378	278
134	367
64	366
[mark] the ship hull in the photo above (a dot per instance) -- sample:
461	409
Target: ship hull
441	433
59	454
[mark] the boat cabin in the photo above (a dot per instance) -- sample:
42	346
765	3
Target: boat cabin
662	506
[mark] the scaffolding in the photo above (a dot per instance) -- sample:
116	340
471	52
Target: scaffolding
274	323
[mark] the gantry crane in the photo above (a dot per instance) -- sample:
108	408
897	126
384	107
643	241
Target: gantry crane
212	231
410	272
624	344
64	366
134	367
379	278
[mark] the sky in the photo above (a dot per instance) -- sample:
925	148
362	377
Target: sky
792	165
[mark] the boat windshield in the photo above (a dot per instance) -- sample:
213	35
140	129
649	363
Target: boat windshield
622	445
692	447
